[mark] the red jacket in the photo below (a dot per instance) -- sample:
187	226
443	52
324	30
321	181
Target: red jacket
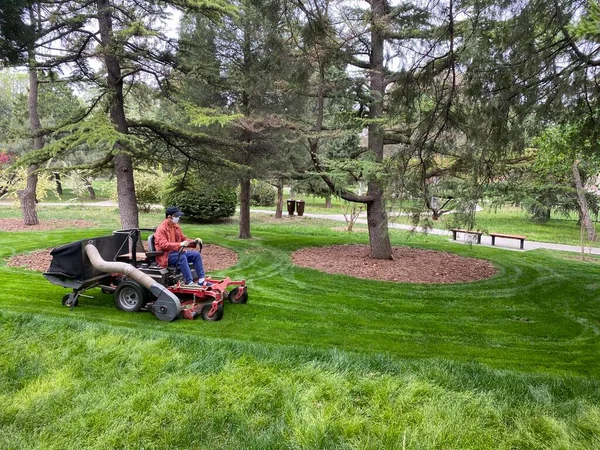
163	242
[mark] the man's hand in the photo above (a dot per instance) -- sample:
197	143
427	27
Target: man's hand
183	244
198	241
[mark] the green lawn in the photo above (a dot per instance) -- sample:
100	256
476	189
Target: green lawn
313	360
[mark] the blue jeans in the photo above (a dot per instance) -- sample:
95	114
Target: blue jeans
183	259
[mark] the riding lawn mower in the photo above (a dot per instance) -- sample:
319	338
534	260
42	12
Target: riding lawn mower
120	265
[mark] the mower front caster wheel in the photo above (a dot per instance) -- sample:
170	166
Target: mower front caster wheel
130	296
205	313
236	297
70	300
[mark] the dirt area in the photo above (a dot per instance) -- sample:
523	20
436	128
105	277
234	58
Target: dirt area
53	224
214	257
39	260
410	265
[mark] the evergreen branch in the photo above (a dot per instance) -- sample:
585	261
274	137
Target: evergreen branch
342	192
169	133
587	59
80	118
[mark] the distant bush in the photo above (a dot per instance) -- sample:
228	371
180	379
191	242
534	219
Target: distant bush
79	183
201	202
19	181
149	187
6	158
262	194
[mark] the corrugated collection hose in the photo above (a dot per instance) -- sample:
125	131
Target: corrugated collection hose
166	307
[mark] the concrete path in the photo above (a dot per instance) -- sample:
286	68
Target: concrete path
502	244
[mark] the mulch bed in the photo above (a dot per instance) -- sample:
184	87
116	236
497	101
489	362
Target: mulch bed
410	265
214	257
44	225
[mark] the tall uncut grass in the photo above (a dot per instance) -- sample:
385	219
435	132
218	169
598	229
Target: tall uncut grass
313	361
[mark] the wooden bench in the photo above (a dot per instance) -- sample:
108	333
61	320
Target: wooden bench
508	236
473	232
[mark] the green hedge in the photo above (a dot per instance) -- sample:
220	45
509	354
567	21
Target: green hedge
202	203
262	194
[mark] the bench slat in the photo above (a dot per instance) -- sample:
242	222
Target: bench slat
467	231
509	236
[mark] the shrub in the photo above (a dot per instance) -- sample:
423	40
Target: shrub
79	183
6	158
538	212
201	202
149	187
19	181
262	194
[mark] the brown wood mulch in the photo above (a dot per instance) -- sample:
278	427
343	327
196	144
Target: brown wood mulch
215	257
52	224
410	265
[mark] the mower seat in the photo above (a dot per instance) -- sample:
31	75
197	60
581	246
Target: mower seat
152	253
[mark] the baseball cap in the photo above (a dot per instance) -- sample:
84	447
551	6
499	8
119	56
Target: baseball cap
173	211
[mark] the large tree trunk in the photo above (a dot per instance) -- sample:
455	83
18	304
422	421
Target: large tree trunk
246	137
128	209
245	208
377	220
584	211
328	201
279	206
27	196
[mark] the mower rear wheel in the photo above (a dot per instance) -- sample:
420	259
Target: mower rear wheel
233	296
217	315
130	296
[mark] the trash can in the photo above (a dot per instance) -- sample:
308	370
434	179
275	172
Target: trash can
291	206
300	207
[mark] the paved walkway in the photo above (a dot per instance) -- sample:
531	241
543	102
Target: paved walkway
503	244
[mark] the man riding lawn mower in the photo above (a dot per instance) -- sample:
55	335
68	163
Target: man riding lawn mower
170	240
159	279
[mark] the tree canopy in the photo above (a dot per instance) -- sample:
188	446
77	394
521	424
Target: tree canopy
382	100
